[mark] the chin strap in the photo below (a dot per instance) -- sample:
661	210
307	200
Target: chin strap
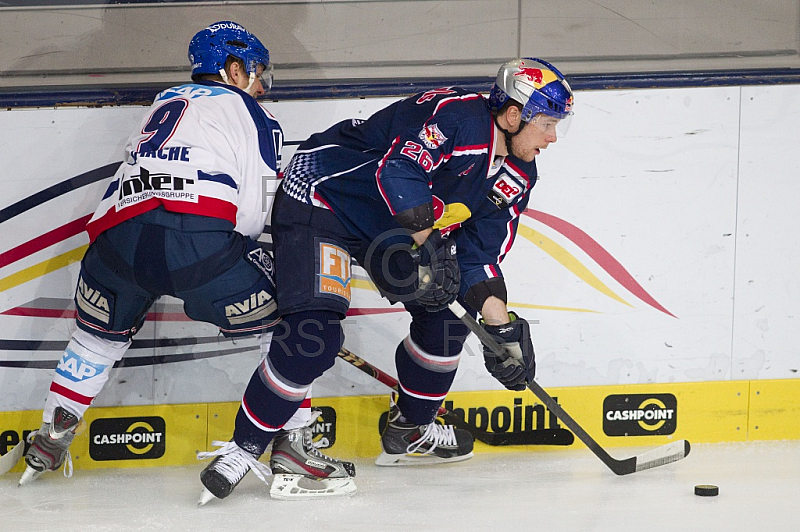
509	135
252	80
227	82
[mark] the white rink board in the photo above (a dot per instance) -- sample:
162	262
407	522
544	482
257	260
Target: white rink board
689	191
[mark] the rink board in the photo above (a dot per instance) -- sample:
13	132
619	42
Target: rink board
615	416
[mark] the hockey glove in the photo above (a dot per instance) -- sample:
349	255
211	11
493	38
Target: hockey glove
438	277
518	365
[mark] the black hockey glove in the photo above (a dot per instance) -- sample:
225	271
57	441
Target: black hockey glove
518	367
438	274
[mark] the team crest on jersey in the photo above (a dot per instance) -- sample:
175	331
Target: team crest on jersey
432	136
333	271
505	190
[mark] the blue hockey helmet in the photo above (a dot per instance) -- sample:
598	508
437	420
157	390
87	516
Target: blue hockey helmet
536	84
210	48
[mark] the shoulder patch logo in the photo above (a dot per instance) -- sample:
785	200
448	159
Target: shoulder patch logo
432	136
505	191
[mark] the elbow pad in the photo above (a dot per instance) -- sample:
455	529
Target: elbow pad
416	218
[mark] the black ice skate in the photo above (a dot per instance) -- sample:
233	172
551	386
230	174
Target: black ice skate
409	444
301	471
50	446
228	469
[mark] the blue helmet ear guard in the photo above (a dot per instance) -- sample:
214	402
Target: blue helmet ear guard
535	84
211	47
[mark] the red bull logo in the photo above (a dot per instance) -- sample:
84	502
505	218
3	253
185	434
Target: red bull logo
534	75
432	136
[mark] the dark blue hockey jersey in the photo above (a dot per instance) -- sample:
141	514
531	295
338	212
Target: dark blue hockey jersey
437	146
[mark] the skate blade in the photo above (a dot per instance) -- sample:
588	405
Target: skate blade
389	460
294	487
205	497
29	476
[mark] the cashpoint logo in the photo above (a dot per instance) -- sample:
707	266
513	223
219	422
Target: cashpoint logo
640	415
498	425
128	438
323	428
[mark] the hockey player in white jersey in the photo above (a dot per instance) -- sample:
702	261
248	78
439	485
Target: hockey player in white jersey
180	218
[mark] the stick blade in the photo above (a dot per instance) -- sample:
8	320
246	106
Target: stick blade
11	458
666	454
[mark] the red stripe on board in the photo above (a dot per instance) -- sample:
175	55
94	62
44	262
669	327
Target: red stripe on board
159	316
69	394
72	313
370	311
598	254
43	241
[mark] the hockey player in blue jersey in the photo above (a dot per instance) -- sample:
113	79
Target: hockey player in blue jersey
426	195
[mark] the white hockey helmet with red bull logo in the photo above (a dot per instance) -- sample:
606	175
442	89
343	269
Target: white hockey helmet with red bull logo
536	84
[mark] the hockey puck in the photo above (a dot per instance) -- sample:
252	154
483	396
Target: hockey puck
706	490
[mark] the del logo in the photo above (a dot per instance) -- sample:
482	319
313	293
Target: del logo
127	438
333	271
323	428
640	415
75	368
505	190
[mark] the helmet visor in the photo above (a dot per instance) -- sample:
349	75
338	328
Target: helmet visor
550	124
265	76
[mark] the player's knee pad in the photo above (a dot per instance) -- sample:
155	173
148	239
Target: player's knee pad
82	371
305	344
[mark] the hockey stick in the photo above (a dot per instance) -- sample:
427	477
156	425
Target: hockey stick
671	452
489	438
10	459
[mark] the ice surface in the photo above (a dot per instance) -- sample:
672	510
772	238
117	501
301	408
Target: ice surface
537	490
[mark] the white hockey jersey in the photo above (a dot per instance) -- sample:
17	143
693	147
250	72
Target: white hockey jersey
204	148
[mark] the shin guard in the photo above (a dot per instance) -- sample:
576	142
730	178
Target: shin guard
82	372
303	347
